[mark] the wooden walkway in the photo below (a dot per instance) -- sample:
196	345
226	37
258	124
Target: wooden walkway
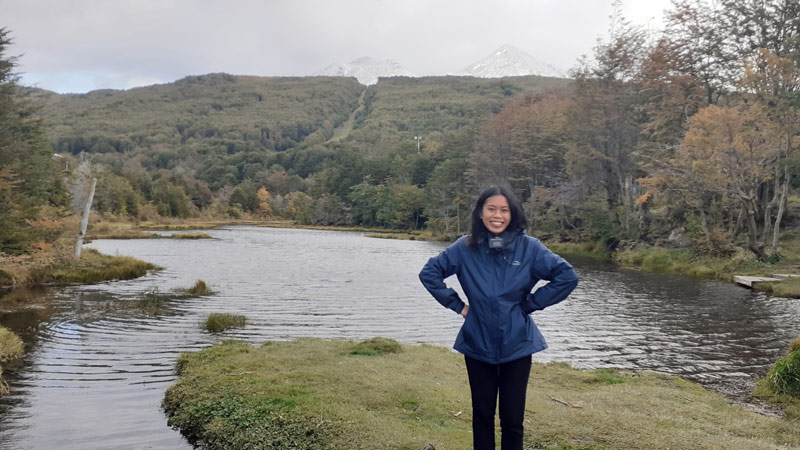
749	281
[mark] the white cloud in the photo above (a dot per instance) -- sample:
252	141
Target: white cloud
90	44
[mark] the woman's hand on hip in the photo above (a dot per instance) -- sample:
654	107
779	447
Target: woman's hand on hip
464	311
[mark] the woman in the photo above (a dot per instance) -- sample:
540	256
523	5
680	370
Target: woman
497	265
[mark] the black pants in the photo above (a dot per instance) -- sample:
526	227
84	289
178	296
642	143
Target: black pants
485	381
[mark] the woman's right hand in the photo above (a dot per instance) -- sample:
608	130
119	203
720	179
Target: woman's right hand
464	311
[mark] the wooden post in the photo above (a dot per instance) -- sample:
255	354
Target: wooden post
85	220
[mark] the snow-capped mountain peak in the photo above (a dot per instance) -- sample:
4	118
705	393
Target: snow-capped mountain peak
509	61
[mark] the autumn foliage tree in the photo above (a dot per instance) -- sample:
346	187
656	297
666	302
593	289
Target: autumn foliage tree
773	83
264	199
731	150
607	118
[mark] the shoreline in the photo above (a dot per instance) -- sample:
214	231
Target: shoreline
679	261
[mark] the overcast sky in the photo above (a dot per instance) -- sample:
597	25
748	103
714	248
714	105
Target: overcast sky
82	45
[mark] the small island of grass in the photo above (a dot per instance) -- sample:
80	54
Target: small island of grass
91	267
331	394
219	322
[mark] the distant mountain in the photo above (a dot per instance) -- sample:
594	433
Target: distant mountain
509	61
366	70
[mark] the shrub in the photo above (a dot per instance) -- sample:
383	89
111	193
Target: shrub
6	279
218	322
200	288
784	376
11	345
795	346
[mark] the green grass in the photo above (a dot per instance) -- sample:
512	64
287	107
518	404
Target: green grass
781	386
657	259
782	383
376	346
688	263
785	288
316	394
607	376
6	278
11	346
219	322
590	250
784	377
92	267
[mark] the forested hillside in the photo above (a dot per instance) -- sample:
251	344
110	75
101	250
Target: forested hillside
215	110
399	108
208	144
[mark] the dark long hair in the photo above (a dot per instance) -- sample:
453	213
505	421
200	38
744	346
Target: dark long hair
518	220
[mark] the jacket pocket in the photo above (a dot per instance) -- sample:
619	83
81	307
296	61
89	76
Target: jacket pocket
519	333
472	334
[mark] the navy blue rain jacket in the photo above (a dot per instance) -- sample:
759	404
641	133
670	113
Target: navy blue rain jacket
498	283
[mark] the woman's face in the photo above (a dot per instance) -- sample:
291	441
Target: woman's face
496	214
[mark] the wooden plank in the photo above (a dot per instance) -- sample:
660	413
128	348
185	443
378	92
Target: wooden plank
750	281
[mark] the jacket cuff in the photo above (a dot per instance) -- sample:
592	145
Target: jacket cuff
528	306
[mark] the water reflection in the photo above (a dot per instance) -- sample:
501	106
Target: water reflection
99	359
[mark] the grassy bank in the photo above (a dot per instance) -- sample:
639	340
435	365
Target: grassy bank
684	261
128	230
317	394
410	236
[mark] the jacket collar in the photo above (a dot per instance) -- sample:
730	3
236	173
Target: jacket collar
509	239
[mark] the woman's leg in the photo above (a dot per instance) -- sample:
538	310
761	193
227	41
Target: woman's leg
513	386
483	379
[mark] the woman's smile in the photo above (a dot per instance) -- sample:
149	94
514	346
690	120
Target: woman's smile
496	214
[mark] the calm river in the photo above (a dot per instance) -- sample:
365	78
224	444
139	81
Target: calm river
97	366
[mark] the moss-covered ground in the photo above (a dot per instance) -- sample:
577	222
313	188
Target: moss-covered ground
321	394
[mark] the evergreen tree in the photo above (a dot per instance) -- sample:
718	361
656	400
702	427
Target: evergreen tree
29	178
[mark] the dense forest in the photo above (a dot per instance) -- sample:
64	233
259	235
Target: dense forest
686	137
